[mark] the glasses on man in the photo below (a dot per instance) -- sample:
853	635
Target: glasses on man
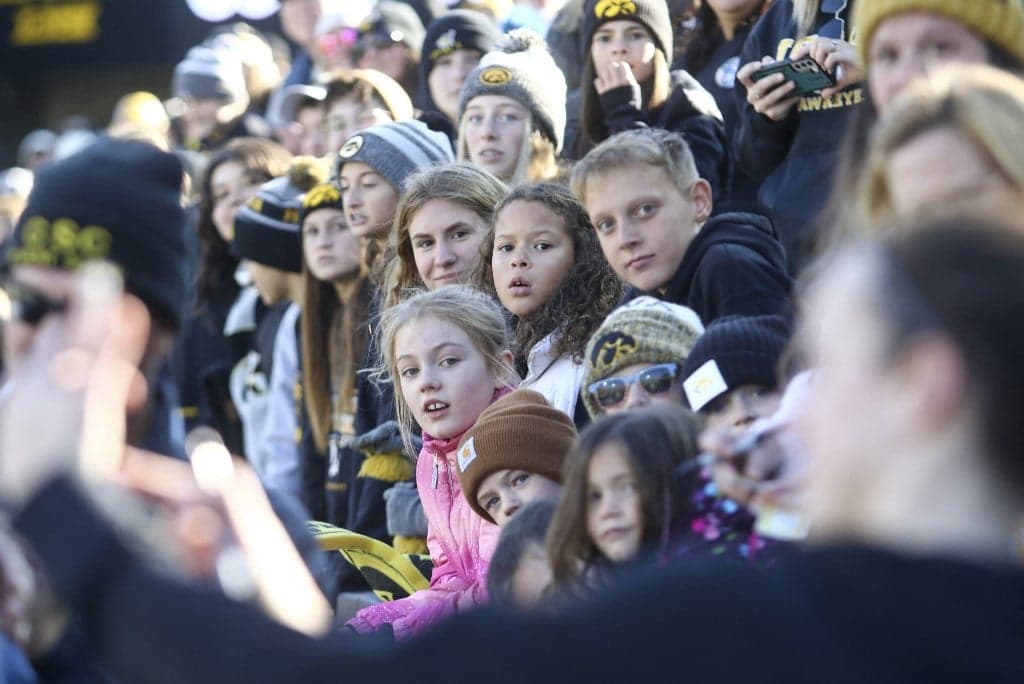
30	306
610	392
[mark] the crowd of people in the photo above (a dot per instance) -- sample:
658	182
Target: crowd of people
533	340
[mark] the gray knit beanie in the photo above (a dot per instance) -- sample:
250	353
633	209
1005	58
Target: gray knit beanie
396	150
520	67
210	72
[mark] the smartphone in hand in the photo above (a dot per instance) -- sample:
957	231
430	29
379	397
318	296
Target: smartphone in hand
806	74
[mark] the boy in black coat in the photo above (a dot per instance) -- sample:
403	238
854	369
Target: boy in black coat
652	213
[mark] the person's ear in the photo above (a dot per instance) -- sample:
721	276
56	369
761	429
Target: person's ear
700	197
935	381
509	359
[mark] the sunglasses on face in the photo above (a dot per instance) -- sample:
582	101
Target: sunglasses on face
31	306
611	392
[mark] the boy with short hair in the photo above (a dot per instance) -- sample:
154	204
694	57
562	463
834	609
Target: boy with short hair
513	455
653	216
359	98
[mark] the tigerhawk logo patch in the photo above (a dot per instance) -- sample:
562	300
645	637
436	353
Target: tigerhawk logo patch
613	9
495	76
610	348
349	149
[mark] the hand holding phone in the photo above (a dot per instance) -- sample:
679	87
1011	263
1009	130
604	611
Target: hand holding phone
806	75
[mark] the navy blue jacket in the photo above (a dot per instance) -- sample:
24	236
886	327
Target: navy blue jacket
793	160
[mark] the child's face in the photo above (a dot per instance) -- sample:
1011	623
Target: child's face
369	199
639	386
346	116
310	126
740	407
623	41
504	492
532	255
644	223
202	117
494	127
532	577
445	239
231	186
273	284
614	517
445	380
330	249
446	79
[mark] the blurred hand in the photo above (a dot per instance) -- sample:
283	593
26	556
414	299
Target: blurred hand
769	96
837	57
65	411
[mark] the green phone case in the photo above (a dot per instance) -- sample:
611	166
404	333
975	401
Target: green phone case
807	74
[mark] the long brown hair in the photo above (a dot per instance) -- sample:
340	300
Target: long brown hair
334	336
215	281
655	440
589	290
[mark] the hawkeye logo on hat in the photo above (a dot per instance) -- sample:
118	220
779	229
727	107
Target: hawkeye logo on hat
613	9
256	204
495	76
466	455
349	149
445	43
610	347
61	242
704	384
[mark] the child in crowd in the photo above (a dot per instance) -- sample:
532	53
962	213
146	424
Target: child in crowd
512	111
266	237
391	41
547	270
207	350
452	48
627	85
513	455
729	377
441	222
448	352
210	82
635	356
372	167
652	213
622	502
356	99
520	572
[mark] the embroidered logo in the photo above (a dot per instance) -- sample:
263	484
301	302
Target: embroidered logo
349	149
466	455
610	348
613	9
61	242
445	44
495	76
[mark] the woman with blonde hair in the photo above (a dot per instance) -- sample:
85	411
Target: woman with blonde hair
951	137
440	226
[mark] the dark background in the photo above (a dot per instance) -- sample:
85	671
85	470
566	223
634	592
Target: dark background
78	66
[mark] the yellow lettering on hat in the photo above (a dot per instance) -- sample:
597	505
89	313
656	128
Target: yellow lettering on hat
495	76
611	9
256	204
349	149
60	242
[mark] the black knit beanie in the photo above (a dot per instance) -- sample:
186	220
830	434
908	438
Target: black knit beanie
734	351
455	30
118	200
267	227
651	13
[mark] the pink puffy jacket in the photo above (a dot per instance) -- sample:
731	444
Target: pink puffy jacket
460	542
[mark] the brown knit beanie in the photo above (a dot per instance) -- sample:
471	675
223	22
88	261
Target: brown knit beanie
520	431
997	22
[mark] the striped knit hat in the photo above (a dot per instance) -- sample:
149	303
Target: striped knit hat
396	150
267	227
210	72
